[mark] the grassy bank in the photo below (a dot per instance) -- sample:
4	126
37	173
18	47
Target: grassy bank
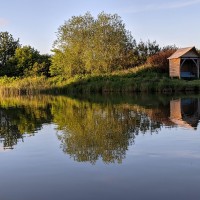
139	79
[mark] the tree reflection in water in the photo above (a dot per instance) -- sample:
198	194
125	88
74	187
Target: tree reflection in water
9	133
89	130
19	117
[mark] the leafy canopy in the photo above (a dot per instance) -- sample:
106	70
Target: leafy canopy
88	45
8	45
17	60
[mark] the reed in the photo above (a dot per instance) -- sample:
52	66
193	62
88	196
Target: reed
138	79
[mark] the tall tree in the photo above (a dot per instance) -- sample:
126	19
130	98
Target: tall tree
8	45
88	45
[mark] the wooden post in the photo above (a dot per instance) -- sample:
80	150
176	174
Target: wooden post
183	61
196	61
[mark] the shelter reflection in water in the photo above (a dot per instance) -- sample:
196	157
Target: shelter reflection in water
185	112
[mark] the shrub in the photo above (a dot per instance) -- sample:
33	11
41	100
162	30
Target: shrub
160	59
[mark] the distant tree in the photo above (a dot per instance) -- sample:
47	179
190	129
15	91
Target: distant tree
30	62
146	49
88	45
45	63
160	59
25	57
8	45
18	61
38	69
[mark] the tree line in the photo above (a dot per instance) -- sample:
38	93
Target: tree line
18	60
84	45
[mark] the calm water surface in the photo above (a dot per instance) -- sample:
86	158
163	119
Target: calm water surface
136	147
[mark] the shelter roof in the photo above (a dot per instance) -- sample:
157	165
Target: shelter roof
181	52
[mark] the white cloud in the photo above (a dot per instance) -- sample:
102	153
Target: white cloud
165	6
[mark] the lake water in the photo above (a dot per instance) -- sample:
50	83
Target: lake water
102	148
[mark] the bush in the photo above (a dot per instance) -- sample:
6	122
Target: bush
160	59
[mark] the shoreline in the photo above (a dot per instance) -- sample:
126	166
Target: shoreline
137	80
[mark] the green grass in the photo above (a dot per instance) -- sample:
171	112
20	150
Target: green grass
138	79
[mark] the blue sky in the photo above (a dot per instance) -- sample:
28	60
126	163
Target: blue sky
35	22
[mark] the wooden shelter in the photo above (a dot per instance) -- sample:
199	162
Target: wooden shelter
184	63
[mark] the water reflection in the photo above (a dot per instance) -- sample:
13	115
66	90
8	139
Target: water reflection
94	128
91	131
19	118
185	112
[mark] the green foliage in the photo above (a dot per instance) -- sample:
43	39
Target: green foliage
144	50
29	62
25	58
19	61
8	45
137	79
92	46
86	45
42	65
60	61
